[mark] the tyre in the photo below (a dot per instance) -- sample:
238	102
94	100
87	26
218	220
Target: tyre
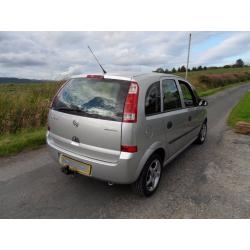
150	177
203	133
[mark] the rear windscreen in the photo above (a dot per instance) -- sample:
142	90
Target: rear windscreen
103	99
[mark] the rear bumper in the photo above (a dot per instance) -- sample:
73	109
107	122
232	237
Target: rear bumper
123	171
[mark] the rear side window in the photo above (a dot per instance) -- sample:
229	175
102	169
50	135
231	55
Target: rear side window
96	98
153	99
188	95
171	96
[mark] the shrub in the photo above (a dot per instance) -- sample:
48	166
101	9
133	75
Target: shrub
24	105
219	80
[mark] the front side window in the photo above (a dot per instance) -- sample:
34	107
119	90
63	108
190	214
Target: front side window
153	99
95	98
188	95
171	97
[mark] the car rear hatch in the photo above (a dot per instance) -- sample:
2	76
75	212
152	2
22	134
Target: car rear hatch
86	117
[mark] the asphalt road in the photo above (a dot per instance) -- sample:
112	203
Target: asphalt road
208	181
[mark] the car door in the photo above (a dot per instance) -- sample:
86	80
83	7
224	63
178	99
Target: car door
153	128
193	116
174	115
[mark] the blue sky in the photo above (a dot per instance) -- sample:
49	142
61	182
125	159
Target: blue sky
54	55
211	42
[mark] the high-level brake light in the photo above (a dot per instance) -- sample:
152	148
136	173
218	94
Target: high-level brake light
99	77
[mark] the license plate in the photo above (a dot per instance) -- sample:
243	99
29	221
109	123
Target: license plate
75	165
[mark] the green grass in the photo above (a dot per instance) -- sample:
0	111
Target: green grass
11	144
216	90
241	112
193	76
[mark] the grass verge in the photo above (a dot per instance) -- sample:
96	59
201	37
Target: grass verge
241	112
11	144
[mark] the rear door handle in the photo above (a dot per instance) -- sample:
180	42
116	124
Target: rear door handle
169	125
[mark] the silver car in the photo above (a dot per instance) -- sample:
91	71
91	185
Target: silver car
124	129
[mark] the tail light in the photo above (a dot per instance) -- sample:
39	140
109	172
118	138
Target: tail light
131	103
128	149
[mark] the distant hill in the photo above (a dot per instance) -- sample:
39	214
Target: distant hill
4	80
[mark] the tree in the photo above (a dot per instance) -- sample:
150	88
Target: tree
200	68
166	70
173	70
160	70
226	66
183	68
239	63
204	68
194	69
179	69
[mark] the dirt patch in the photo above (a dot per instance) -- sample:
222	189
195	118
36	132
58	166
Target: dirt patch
242	128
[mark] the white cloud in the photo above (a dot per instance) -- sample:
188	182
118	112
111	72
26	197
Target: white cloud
234	45
57	54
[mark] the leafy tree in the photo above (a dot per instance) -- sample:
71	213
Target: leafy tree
173	70
226	66
166	70
200	68
183	68
239	63
204	68
160	70
179	69
194	69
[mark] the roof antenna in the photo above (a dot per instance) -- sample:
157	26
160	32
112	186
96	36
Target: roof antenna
104	71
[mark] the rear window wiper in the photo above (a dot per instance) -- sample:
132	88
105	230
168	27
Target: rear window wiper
76	110
69	109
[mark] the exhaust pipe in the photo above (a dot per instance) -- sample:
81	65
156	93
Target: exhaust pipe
67	171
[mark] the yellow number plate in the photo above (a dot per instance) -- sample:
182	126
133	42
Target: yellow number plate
75	165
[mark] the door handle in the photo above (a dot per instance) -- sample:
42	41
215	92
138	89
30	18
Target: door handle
169	125
190	118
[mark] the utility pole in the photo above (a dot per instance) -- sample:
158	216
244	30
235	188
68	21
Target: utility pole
189	44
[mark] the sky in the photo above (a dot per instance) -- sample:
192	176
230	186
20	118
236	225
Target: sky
56	55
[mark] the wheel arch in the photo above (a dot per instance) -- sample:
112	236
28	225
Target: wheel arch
158	148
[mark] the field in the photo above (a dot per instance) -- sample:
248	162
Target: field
24	107
194	76
23	115
241	112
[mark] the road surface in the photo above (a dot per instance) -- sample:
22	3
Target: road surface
208	181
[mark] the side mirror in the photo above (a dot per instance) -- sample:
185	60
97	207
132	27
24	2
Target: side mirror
203	103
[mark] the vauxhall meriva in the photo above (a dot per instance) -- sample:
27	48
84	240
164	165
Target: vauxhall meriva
124	129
